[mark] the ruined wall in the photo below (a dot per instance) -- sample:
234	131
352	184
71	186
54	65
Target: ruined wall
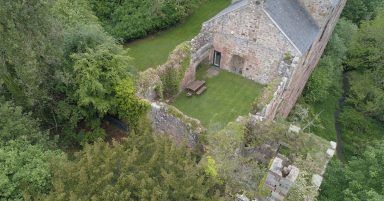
167	120
307	65
149	83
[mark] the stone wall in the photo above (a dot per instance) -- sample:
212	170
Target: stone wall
167	120
249	34
307	64
280	179
149	83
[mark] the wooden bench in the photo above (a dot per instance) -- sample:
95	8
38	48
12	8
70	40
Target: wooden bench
201	90
197	87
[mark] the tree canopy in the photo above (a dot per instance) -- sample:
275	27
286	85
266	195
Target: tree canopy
143	167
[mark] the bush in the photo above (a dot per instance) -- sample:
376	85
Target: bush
129	106
131	19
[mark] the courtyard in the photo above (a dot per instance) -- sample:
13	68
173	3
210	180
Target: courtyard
228	96
154	50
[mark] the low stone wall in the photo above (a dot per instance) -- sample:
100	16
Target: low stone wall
150	85
167	120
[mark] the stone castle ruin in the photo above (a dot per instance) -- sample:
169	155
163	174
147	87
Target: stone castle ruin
268	41
273	42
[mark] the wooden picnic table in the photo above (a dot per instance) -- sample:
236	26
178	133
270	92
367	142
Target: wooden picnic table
195	85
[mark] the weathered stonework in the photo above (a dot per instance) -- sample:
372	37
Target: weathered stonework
253	38
248	34
167	120
280	179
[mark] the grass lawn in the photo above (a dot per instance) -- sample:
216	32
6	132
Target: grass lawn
154	50
228	96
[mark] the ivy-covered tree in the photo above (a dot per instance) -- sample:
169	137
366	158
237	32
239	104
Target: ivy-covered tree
57	62
97	72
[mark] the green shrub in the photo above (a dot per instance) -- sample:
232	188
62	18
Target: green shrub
129	106
131	19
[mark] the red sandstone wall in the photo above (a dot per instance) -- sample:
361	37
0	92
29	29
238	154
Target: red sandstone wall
306	67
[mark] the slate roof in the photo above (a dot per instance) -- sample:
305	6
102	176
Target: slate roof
335	2
232	7
294	21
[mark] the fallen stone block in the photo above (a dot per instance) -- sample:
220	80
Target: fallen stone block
294	129
333	145
317	180
330	153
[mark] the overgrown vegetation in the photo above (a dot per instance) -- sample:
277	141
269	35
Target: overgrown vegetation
60	75
143	167
59	64
357	49
127	19
237	165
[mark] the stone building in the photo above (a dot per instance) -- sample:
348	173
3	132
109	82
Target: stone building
268	41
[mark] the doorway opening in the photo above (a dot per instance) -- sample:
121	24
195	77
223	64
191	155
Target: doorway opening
216	58
237	64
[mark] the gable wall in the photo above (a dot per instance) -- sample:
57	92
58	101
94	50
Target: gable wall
249	33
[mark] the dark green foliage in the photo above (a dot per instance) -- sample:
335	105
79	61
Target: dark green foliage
58	63
361	118
360	179
360	10
24	154
359	131
141	168
130	19
366	95
366	51
28	51
24	169
329	70
170	80
16	125
367	56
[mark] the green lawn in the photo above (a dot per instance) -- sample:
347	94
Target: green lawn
154	50
228	96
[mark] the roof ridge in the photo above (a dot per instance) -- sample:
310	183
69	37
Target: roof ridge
231	8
